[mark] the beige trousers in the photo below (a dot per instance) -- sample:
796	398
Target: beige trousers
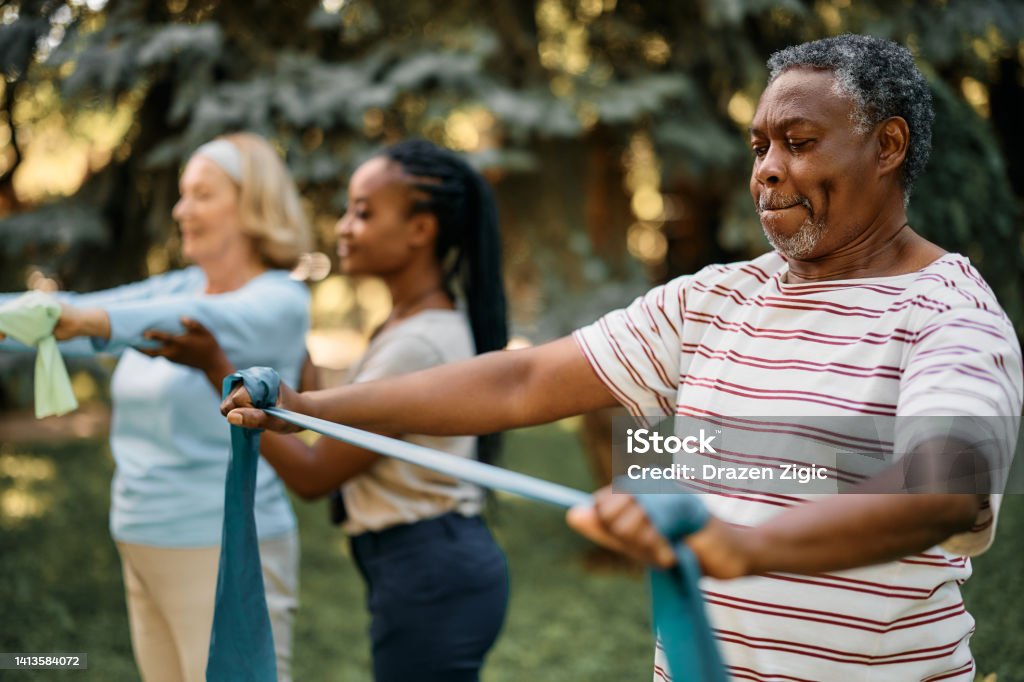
170	594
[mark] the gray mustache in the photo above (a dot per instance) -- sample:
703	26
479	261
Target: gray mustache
774	202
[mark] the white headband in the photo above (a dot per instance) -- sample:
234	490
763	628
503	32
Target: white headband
224	154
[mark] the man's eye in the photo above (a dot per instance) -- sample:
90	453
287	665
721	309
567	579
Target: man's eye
760	150
797	144
362	215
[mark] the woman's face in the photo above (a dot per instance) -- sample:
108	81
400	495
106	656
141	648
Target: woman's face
379	234
207	211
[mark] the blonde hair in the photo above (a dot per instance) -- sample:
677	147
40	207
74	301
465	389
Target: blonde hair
268	203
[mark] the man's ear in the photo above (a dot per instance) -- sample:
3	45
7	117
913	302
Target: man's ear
893	141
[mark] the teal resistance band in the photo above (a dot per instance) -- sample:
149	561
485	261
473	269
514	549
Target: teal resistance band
679	618
241	642
680	621
470	470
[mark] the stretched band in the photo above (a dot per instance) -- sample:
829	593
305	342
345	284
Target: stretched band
471	470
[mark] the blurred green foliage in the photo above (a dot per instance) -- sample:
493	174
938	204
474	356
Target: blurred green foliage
964	202
548	95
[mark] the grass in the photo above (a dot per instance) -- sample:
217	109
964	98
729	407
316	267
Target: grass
60	583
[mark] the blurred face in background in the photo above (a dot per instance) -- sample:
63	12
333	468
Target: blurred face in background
379	233
207	212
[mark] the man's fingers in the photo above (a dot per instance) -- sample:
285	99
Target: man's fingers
237	398
618	521
632	527
628	523
249	417
238	409
609	505
584	520
253	418
662	554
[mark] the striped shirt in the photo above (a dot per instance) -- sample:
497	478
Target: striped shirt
737	343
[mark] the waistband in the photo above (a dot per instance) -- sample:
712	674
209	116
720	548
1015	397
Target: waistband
448	526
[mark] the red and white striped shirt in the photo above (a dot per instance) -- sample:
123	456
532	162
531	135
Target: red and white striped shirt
735	341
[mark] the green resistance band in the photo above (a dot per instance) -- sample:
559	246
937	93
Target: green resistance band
30	319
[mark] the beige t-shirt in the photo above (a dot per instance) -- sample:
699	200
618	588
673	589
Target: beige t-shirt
393	492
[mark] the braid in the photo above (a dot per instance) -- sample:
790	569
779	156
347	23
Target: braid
468	241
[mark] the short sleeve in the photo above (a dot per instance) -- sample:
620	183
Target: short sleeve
636	351
965	362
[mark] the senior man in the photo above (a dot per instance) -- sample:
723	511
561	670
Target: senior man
853	313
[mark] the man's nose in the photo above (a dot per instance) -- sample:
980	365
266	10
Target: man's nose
770	169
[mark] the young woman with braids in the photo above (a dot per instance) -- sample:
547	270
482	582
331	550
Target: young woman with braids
425	222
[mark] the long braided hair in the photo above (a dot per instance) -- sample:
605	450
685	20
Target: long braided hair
468	243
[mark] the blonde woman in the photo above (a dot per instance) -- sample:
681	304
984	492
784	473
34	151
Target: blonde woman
243	228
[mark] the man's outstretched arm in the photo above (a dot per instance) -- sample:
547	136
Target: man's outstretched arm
488	393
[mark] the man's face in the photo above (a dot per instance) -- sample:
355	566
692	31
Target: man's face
812	180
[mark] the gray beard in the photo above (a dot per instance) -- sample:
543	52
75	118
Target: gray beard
801	243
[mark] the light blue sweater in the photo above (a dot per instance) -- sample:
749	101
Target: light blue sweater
169	440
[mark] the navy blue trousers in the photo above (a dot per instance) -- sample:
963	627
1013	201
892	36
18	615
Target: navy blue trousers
437	593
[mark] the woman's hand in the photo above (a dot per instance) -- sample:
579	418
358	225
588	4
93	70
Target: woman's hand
238	409
619	522
76	322
197	347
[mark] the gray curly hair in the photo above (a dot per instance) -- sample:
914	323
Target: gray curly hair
882	80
